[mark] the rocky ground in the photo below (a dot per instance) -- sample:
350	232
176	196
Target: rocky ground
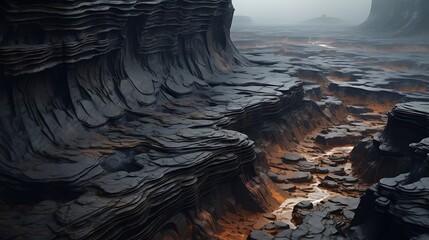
150	124
354	83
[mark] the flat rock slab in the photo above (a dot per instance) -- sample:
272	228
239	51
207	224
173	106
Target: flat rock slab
329	184
259	235
306	166
336	170
338	138
269	216
297	177
338	178
276	226
292	158
287	187
358	109
370	116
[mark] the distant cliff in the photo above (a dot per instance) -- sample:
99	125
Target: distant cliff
399	16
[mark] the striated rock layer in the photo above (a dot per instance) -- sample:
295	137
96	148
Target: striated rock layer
119	119
387	154
397	208
399	16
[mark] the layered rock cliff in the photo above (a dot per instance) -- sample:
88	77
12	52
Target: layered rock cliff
396	208
399	16
387	154
118	118
398	158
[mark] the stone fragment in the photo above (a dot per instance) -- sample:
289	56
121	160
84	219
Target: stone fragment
292	158
287	187
259	235
296	177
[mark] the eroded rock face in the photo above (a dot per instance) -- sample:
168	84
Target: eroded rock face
396	208
387	154
37	36
399	16
119	118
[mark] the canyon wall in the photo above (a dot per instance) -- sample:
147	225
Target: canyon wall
118	118
399	16
123	119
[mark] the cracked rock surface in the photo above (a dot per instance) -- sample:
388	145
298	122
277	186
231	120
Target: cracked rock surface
111	126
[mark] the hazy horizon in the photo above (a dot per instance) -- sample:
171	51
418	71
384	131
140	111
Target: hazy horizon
296	11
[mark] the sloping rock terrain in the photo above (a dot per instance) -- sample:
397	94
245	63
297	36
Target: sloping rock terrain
131	120
118	116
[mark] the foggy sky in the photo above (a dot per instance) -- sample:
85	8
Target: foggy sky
293	11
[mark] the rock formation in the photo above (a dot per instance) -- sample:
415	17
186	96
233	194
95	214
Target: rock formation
134	119
115	116
387	154
399	16
397	208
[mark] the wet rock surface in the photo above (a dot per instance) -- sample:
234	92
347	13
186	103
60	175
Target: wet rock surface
297	177
108	133
398	204
356	98
387	154
121	131
328	220
349	134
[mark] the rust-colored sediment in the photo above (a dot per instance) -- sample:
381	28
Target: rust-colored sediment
335	156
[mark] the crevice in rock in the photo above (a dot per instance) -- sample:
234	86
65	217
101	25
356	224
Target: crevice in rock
141	120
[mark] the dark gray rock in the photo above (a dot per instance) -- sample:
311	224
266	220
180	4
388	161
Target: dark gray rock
398	204
276	226
389	17
327	220
387	154
281	225
114	115
329	184
304	205
292	158
259	235
296	177
358	109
